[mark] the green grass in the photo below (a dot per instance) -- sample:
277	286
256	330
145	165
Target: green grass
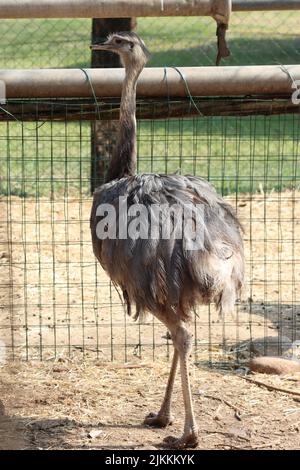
254	38
236	154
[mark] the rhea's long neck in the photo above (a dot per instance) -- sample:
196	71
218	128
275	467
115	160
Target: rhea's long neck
123	161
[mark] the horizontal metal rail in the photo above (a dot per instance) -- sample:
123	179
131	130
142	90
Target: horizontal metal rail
135	8
265	5
112	8
154	82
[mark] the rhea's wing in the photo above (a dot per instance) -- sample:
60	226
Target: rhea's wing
221	226
155	273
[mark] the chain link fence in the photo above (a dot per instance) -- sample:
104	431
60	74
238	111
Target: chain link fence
254	38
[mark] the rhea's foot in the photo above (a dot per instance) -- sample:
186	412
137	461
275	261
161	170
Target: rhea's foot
158	420
188	440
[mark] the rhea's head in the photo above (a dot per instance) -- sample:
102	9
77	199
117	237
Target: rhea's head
130	47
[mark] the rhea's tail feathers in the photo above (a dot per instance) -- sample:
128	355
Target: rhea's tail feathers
231	293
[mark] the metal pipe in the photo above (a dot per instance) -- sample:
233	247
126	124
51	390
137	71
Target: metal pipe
123	8
153	82
112	8
265	5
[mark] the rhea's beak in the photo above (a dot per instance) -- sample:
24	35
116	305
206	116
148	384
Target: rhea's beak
101	47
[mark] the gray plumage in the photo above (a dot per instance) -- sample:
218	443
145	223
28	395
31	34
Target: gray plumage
158	275
161	275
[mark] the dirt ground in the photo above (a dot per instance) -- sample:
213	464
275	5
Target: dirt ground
60	406
55	304
55	300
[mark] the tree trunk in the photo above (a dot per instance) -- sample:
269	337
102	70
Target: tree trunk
104	133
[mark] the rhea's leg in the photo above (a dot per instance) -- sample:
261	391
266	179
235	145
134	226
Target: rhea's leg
163	417
183	342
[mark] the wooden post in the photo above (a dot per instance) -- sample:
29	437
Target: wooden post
104	132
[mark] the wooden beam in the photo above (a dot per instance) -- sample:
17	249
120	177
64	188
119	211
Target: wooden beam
85	110
153	82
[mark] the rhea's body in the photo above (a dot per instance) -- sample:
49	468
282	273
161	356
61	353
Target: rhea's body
163	275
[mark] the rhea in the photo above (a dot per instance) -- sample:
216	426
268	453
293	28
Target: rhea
163	276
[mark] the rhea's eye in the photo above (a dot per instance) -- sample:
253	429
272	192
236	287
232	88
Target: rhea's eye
131	45
118	41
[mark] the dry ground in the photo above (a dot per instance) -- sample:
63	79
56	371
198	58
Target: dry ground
57	406
51	296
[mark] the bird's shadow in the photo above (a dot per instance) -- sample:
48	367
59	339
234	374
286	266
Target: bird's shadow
265	329
277	329
27	433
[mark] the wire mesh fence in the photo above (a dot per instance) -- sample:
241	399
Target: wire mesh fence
254	38
55	299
